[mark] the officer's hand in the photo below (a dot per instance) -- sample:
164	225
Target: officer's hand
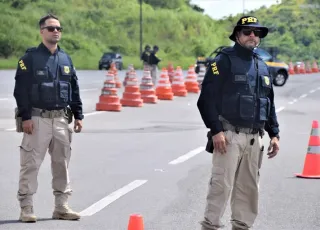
77	126
273	147
27	126
219	142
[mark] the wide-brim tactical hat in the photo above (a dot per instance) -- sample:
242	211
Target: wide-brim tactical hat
249	21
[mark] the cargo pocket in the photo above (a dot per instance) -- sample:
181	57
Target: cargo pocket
231	105
26	151
47	92
247	107
70	135
260	156
217	180
65	92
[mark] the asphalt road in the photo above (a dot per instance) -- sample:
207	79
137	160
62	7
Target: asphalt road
150	160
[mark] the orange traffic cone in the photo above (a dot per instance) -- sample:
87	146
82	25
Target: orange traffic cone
308	67
108	100
315	68
302	68
178	85
291	68
191	83
135	222
114	70
311	167
131	95
170	72
146	89
130	68
164	90
202	72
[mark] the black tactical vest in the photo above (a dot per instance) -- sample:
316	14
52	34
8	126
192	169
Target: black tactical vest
244	95
50	89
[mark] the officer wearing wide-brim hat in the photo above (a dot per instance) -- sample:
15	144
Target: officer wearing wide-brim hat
237	105
249	22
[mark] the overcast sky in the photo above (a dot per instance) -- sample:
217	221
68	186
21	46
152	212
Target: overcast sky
220	8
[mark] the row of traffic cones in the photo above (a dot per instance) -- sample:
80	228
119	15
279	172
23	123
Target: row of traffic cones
303	68
133	96
136	95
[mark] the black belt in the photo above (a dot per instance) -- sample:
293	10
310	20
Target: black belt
237	129
48	113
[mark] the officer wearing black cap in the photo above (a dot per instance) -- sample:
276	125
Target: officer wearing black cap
47	96
237	105
145	56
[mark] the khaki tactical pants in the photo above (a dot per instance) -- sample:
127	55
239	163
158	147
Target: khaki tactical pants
154	74
234	173
51	134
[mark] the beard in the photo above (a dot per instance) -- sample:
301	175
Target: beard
251	44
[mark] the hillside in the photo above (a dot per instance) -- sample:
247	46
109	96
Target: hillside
180	30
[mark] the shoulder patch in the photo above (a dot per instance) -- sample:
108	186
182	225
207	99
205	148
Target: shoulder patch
214	68
22	65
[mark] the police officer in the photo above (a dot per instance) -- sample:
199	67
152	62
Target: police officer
154	61
237	104
145	56
45	88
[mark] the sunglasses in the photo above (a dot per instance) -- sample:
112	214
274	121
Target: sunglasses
53	28
247	32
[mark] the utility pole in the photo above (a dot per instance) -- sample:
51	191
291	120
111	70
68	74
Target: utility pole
243	7
140	27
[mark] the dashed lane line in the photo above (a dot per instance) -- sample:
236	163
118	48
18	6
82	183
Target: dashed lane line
187	156
104	202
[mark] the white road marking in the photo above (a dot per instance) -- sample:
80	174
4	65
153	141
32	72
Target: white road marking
303	96
278	110
12	129
312	91
318	88
93	113
86	90
187	156
98	206
292	102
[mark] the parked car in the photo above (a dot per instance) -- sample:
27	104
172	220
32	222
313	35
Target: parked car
278	69
109	57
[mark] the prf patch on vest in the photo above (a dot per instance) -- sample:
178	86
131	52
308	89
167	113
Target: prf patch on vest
22	65
240	78
66	69
214	68
248	20
266	80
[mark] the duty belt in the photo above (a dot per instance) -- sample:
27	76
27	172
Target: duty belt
48	113
236	129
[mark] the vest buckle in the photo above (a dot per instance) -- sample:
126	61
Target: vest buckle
237	129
